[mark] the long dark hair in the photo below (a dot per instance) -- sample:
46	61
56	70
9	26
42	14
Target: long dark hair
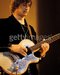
16	3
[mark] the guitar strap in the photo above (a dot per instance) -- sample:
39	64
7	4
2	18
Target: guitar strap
29	28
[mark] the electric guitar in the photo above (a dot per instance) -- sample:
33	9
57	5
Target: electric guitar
12	64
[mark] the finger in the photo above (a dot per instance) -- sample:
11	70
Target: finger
44	48
45	45
24	48
23	53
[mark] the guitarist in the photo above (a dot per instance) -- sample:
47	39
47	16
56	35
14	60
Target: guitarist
15	28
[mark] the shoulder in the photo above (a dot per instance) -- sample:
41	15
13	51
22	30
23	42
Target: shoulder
4	22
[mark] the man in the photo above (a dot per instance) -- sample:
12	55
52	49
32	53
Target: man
15	28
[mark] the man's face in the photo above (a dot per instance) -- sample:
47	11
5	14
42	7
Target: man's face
23	9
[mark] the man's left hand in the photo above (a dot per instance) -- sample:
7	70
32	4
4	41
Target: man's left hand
45	47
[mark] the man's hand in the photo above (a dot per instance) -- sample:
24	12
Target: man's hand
19	49
45	48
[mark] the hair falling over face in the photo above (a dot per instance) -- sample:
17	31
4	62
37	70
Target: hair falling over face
15	4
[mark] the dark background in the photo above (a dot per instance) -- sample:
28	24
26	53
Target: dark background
49	24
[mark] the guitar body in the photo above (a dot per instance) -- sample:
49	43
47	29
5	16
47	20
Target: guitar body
6	62
19	66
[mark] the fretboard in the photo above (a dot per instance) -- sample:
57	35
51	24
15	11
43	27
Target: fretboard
48	40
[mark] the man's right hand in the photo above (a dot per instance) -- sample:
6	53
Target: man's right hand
18	48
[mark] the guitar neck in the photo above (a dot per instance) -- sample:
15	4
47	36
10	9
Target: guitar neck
49	40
